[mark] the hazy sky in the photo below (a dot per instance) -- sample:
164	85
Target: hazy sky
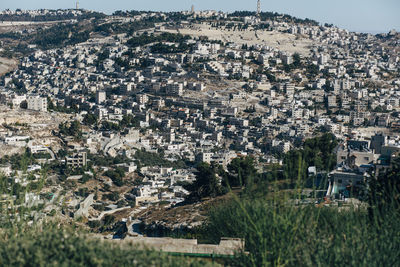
356	15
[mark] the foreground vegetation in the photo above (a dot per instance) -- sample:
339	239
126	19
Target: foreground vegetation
49	245
280	233
277	235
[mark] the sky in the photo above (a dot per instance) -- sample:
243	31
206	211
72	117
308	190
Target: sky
374	16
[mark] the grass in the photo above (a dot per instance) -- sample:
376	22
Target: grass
50	245
281	235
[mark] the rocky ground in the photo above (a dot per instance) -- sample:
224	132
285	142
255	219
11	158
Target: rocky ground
7	65
282	41
180	217
37	125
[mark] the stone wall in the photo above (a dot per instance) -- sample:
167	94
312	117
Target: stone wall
227	246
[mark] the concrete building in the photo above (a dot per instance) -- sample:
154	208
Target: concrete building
100	97
331	101
289	89
77	160
204	157
287	59
356	153
37	103
323	59
377	141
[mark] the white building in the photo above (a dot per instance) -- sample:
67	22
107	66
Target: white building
100	97
37	103
205	157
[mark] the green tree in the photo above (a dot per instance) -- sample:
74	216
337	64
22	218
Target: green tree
312	71
296	60
241	171
50	104
90	119
116	176
318	152
206	183
74	129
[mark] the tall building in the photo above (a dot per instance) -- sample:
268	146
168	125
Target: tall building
258	8
377	141
323	59
289	89
192	9
37	103
100	97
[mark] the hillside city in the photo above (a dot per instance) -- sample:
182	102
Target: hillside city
123	121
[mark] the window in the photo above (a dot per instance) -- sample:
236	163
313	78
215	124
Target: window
340	181
366	158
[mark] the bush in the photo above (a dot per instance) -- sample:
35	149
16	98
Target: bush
114	196
85	178
83	192
116	176
52	212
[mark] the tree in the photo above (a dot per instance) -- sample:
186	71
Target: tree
312	71
110	126
116	176
74	129
316	152
241	171
109	219
23	105
50	104
206	183
129	121
113	196
90	119
296	60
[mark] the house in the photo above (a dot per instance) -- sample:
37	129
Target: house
355	153
37	103
345	182
204	157
16	140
